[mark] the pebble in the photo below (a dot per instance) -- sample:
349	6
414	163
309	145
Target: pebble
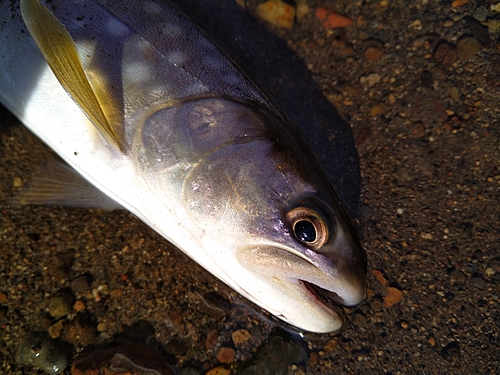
274	357
370	80
60	305
124	358
468	47
80	285
214	304
80	331
79	306
211	340
225	355
277	13
3	297
331	19
445	54
480	32
419	129
17	183
459	3
55	329
240	336
39	350
394	296
219	370
302	9
495	7
493	26
377	109
480	14
373	50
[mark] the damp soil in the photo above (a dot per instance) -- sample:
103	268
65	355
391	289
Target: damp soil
423	106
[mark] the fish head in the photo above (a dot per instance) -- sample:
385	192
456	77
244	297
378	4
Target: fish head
306	250
260	207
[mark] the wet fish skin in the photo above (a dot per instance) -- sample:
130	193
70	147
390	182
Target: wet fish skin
204	158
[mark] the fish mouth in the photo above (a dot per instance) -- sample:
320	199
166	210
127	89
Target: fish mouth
325	282
321	294
325	297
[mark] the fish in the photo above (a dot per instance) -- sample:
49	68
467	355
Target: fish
147	107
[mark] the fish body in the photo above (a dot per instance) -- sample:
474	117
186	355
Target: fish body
164	123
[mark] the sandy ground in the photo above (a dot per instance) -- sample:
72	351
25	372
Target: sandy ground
424	109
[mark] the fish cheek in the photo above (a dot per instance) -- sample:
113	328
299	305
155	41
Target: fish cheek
225	189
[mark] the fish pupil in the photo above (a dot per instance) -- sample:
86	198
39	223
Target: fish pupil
305	231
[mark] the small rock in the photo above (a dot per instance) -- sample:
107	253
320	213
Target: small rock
377	109
219	370
225	355
468	47
79	306
116	293
393	297
426	236
274	357
241	336
380	277
493	26
124	358
373	50
331	345
495	7
39	350
214	304
445	54
102	327
55	329
332	19
211	339
480	32
419	129
60	305
80	332
302	10
459	3
80	285
370	80
480	14
17	183
3	297
277	13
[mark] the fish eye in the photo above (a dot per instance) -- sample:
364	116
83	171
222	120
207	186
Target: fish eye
308	226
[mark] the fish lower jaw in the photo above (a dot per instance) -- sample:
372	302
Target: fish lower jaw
329	299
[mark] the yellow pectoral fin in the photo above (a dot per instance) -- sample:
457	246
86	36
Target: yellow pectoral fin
59	50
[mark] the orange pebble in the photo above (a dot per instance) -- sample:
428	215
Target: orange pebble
332	19
459	3
393	297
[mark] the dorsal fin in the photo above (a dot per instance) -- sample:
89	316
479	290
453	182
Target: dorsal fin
60	53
